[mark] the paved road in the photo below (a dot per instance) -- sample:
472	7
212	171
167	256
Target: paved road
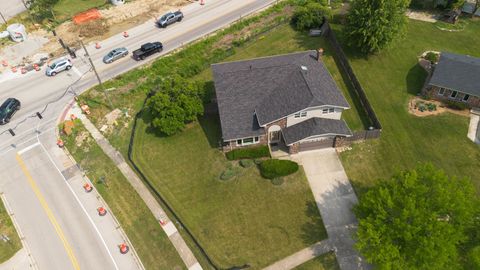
58	233
10	8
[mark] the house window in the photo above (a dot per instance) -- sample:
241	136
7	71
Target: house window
466	97
300	114
441	91
247	141
454	94
331	110
325	111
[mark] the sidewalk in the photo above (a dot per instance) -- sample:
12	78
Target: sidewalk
474	126
302	256
169	228
335	198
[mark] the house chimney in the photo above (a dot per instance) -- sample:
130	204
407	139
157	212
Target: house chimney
319	53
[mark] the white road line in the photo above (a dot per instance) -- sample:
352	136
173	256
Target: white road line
81	205
77	71
28	148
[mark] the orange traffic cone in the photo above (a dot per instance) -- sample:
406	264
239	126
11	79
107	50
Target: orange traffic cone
202	2
24	70
102	211
36	67
125	34
60	143
4	63
73	117
14	69
123	248
87	187
97	45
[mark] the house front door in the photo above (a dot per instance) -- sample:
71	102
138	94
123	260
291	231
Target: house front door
275	136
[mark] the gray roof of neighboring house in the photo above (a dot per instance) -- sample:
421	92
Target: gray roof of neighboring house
457	72
273	87
315	127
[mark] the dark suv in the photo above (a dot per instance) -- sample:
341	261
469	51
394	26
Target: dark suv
8	109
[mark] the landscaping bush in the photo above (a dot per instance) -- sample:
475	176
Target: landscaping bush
277	181
431	107
257	161
246	163
251	152
228	174
274	168
456	105
432	57
310	16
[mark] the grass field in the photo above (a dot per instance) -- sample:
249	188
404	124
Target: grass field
390	79
65	9
7	249
246	220
151	243
324	262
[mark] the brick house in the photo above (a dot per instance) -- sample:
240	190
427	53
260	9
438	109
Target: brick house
455	78
287	99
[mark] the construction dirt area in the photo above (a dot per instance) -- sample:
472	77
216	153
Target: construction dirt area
114	20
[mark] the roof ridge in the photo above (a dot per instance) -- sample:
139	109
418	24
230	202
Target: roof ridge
263	57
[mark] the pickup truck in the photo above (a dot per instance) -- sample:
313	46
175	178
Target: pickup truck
170	18
146	50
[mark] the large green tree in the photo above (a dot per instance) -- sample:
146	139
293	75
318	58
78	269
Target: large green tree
175	103
310	15
373	24
41	8
419	219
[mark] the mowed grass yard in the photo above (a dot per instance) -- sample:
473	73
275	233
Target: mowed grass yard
246	220
151	243
390	79
323	262
8	249
66	9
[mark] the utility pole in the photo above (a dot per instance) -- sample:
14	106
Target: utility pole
96	74
3	18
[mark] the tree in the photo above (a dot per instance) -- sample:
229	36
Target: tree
310	15
417	220
176	103
374	24
41	8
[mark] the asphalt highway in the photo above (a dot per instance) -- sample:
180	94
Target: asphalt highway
59	233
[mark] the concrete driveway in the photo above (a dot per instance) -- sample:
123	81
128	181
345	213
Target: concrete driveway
335	198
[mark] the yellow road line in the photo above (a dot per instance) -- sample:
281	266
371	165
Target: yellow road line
49	213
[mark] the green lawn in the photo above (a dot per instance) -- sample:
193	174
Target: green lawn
390	79
7	249
66	9
324	262
247	220
151	243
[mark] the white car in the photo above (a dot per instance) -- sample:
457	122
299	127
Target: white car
58	65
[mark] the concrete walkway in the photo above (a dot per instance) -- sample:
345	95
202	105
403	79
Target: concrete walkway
335	198
474	127
302	256
168	226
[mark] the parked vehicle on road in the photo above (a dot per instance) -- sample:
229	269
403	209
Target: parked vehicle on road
115	55
58	65
8	109
169	18
147	49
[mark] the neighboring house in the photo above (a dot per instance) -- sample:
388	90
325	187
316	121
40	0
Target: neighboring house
456	78
471	7
286	99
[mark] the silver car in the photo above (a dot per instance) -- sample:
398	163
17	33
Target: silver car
58	65
115	55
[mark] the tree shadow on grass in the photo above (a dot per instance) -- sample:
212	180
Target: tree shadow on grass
415	79
314	230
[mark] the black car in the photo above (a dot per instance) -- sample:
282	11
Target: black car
147	49
8	109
